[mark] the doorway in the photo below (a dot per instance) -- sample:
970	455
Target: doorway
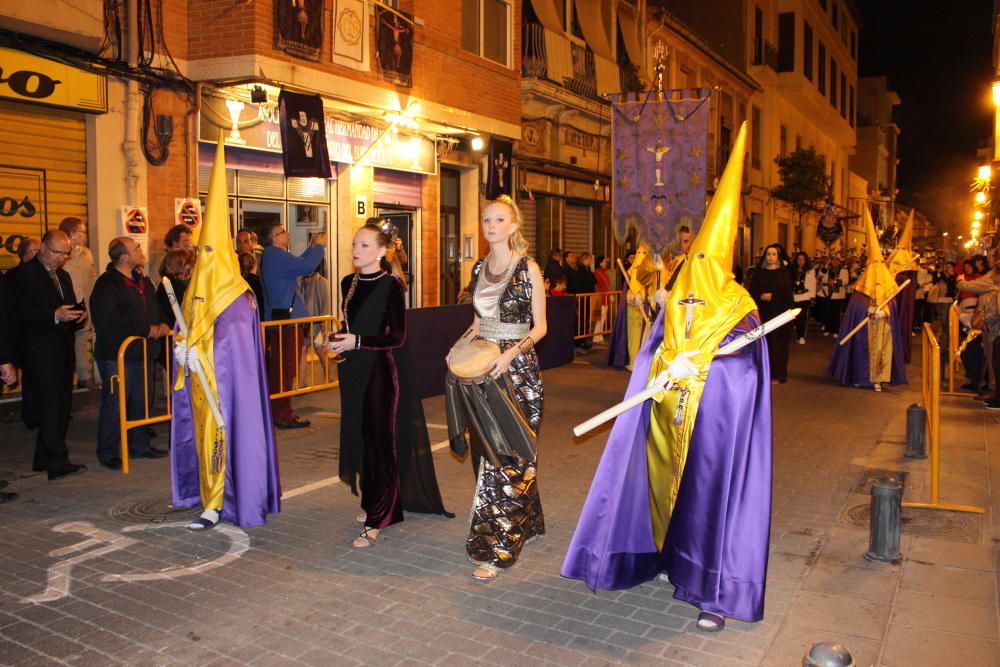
403	221
450	252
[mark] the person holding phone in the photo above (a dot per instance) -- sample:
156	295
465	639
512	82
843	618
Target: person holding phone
48	318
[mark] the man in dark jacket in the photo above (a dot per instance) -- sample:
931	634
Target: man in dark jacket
124	304
48	316
7	373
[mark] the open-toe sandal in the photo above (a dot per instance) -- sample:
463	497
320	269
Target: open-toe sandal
366	538
485	572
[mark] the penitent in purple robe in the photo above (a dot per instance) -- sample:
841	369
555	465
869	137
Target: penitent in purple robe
716	548
618	345
850	363
252	487
906	303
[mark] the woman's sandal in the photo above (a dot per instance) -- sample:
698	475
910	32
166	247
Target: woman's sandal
709	622
485	572
366	538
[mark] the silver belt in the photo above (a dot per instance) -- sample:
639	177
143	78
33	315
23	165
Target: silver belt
495	330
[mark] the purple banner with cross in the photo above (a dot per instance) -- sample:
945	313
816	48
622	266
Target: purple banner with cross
659	164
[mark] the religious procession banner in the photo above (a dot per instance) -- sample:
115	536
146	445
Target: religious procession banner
829	227
394	45
303	135
298	28
659	150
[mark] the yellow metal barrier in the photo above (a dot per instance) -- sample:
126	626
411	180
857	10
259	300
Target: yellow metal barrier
118	383
323	324
599	310
954	343
930	380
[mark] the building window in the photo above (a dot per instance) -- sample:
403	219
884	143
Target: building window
758	36
486	29
755	131
854	45
807	50
822	3
798	142
843	95
833	83
786	42
850	107
821	69
836	15
783	141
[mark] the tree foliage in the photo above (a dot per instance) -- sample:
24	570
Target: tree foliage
804	185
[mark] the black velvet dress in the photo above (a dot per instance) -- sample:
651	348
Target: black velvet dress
777	282
383	434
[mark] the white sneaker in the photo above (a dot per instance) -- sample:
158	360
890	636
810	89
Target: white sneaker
802	341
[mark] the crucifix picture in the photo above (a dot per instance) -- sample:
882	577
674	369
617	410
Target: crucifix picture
659	151
689	305
501	163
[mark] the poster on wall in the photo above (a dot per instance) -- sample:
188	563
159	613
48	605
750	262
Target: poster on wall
187	212
23	209
298	27
133	222
350	35
303	135
394	46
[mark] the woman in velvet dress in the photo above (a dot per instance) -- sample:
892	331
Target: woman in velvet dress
509	301
771	289
383	436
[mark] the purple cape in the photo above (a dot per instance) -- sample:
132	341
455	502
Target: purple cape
618	345
716	548
905	305
849	365
252	487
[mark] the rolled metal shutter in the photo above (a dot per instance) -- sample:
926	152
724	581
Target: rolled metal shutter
577	227
41	138
529	225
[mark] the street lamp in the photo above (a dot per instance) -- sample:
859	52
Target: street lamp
980	197
985	172
978	215
975	225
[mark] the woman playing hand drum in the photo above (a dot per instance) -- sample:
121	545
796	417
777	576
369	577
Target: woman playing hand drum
509	303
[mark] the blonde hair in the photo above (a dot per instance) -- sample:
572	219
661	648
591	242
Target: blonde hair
518	244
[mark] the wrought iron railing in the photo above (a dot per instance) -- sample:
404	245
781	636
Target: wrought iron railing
533	62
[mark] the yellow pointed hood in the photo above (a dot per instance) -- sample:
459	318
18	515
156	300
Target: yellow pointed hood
877	281
216	281
901	258
707	275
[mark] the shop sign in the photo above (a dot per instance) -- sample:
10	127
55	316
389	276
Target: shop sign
29	78
257	126
22	209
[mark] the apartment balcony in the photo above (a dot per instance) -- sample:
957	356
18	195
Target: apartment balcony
765	54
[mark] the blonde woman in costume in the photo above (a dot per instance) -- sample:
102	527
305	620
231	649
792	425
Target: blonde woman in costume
509	302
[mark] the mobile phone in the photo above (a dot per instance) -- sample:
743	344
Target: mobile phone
81	305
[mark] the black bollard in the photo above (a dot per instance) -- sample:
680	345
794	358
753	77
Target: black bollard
827	654
916	432
885	521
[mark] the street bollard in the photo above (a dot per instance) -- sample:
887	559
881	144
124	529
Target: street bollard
885	521
916	432
827	654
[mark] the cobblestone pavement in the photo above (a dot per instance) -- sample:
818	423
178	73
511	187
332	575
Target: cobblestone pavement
84	583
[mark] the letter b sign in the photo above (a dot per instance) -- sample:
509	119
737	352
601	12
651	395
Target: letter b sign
361	208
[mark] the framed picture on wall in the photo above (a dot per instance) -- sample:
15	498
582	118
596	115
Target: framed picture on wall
308	218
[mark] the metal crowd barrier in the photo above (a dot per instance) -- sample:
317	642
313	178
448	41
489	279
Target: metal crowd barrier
930	384
317	381
954	352
595	314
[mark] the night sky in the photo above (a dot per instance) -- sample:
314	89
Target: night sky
937	56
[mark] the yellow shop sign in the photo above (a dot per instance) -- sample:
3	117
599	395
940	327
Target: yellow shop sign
28	78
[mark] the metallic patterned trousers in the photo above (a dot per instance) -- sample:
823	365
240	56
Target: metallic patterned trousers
506	512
